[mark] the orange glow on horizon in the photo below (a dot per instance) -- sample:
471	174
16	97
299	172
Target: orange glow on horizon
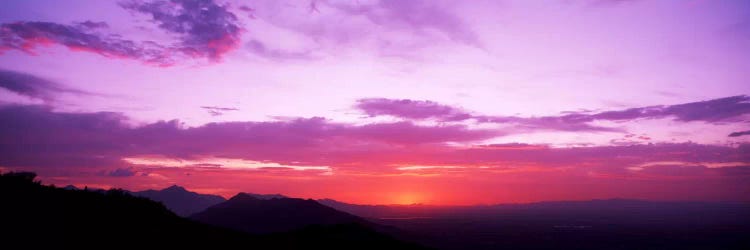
407	198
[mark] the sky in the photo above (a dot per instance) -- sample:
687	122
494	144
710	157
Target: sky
382	102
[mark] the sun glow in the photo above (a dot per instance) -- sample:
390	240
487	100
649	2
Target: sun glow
408	198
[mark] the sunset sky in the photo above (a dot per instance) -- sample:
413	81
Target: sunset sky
382	102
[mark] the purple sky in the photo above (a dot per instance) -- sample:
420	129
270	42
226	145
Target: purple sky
443	98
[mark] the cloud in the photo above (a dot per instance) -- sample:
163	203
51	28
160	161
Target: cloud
726	109
121	172
410	109
418	16
740	133
205	28
90	147
260	49
37	136
408	133
606	157
92	25
33	86
217	111
558	123
387	28
26	36
715	110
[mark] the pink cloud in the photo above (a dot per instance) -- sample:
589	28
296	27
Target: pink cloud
379	160
204	29
37	136
27	36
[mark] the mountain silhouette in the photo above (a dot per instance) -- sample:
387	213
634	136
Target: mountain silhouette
247	213
267	196
36	216
306	222
181	201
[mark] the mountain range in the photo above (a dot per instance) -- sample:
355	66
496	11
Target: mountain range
279	222
185	203
39	216
181	201
245	212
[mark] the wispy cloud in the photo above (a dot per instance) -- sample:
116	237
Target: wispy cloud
726	109
217	111
418	16
411	109
739	133
34	87
27	36
388	28
260	49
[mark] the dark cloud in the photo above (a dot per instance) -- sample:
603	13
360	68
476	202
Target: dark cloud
121	172
217	111
36	136
34	87
726	109
411	109
205	28
715	110
419	110
26	36
740	133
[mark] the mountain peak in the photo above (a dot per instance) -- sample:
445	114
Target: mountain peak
180	200
243	196
175	188
260	196
246	212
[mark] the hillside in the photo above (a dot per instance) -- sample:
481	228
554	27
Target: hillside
181	201
38	216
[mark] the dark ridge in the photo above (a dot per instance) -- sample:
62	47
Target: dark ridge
34	216
248	213
181	201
